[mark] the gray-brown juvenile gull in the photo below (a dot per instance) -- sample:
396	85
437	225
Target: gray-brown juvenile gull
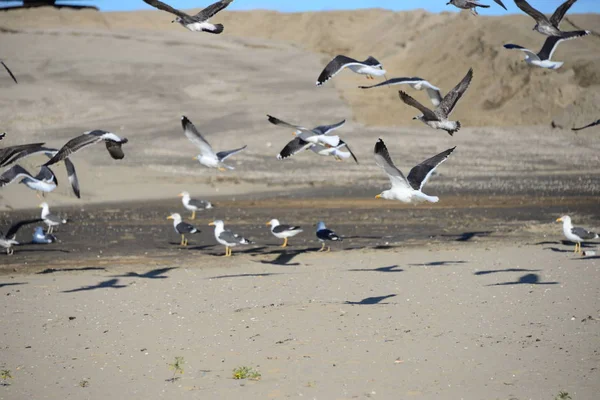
195	23
549	26
472	5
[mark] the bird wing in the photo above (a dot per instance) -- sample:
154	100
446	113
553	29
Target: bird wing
73	146
344	144
165	7
190	131
278	122
72	175
184	227
212	10
2	135
224	155
10	154
419	175
530	53
325	129
449	101
285	228
198	203
560	12
430	115
229	237
9	71
295	146
12	174
334	67
583	233
532	12
327	234
12	231
499	2
587	126
383	159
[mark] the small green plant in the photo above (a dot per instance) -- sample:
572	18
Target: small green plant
84	383
5	375
246	373
563	396
177	367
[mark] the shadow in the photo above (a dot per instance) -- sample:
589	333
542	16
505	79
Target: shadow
437	263
245	251
529	279
588	258
243	275
383	247
53	270
371	300
557	250
12	284
111	283
546	242
494	271
154	274
366	237
284	257
466	236
391	268
20	250
203	247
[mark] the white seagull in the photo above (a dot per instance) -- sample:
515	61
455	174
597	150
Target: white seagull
227	238
576	234
543	58
194	205
198	22
112	141
407	190
45	181
207	156
472	5
438	118
282	231
369	67
318	135
433	92
50	219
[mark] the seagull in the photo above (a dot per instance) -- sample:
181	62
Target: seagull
587	126
2	135
50	219
407	190
41	237
8	240
545	26
309	137
113	145
543	58
182	228
11	154
198	22
45	181
324	234
207	156
9	71
575	234
226	237
472	5
370	67
434	93
194	205
335	151
283	231
438	119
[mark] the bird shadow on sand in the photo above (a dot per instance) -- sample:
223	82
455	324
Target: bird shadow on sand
529	279
41	251
369	301
557	250
154	274
244	275
109	284
53	270
284	257
466	236
495	271
588	258
438	263
244	251
12	284
391	268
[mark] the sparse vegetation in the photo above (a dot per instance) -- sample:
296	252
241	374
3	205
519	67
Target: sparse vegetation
84	383
246	373
563	396
177	367
5	375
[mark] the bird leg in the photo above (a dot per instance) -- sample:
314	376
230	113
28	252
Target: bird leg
576	247
474	11
38	195
194	214
328	249
182	240
222	169
285	242
337	158
322	246
226	251
50	229
10	251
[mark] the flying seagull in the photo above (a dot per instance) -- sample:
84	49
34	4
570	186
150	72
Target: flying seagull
10	154
194	205
575	234
434	93
472	5
198	22
2	135
318	135
9	239
369	67
545	26
282	231
227	238
50	219
543	58
113	145
407	190
182	228
337	151
9	71
207	156
45	181
326	235
438	119
587	126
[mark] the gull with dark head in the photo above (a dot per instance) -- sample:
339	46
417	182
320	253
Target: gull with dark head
575	234
112	141
543	59
369	67
195	23
227	238
549	26
207	156
407	190
283	231
438	118
472	5
194	205
433	92
182	228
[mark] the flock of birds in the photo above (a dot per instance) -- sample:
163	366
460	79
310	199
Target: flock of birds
319	139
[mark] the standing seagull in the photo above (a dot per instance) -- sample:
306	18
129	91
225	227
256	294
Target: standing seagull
207	156
438	119
194	205
434	93
50	219
9	71
226	237
403	189
549	27
587	126
283	231
113	145
370	67
543	58
182	228
472	5
575	234
198	22
324	234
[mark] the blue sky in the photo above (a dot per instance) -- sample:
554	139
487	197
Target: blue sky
547	6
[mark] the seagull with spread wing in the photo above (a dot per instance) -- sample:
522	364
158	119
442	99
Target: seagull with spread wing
45	181
543	59
407	190
198	22
207	156
112	141
8	240
472	5
549	26
433	92
369	67
438	118
308	137
10	154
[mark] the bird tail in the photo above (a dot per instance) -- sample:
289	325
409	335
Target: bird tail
246	241
217	29
452	131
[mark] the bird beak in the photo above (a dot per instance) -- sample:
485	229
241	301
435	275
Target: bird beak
195	158
378	196
414	117
169	217
559	220
211	224
268	223
180	195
